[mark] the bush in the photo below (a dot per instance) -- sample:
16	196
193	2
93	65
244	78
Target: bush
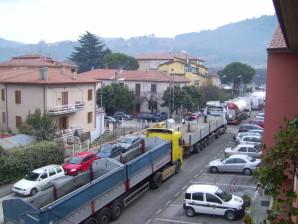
19	161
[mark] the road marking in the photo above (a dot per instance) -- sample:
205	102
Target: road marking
244	186
218	154
175	205
149	220
177	194
184	187
158	212
169	202
175	221
201	171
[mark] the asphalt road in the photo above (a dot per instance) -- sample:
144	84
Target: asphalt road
164	205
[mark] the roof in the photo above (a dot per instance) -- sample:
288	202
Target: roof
202	188
47	167
278	40
166	56
141	76
32	76
34	60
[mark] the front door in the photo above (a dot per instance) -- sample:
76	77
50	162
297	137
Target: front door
64	98
214	205
63	123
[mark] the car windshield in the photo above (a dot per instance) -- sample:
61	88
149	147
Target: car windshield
106	149
126	140
225	196
75	160
32	176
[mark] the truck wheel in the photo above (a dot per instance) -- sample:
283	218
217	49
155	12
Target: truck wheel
196	148
190	212
156	181
104	216
177	166
116	209
230	215
90	221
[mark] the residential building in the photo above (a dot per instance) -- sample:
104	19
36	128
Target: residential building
181	64
69	98
148	86
282	78
213	80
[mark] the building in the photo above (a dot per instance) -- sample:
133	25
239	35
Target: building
29	83
175	63
282	77
213	80
148	86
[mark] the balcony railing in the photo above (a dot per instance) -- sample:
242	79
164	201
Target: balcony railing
66	109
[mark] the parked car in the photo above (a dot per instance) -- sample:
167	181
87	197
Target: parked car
190	116
149	117
259	131
238	136
260	115
210	199
251	139
110	150
162	115
248	127
259	122
78	163
244	149
130	141
37	179
235	163
112	119
121	115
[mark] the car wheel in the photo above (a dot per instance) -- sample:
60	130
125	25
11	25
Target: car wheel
247	172
214	169
230	215
190	212
33	191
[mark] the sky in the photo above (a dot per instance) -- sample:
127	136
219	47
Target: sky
30	21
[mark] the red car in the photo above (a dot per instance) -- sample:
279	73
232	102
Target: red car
258	122
78	163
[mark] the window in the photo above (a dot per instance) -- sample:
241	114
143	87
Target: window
52	172
230	161
237	160
138	89
153	88
18	99
89	117
212	198
187	195
3	117
251	150
242	150
59	170
3	94
18	121
198	196
64	96
90	94
43	176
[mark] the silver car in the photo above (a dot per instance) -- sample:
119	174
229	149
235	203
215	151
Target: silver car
238	136
235	163
251	139
244	149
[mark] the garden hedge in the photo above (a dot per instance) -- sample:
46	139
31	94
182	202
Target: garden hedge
17	162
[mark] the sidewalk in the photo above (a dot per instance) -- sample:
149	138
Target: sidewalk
5	189
259	206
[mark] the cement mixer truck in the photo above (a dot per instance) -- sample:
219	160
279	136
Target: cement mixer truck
238	110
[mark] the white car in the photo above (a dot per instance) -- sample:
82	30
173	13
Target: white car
244	149
251	139
210	199
35	180
241	134
235	163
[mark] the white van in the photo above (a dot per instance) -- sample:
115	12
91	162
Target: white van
210	199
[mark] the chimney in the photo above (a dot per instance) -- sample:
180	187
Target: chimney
74	74
43	73
62	70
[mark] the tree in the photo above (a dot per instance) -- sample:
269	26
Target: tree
116	97
236	73
40	125
212	93
277	172
120	61
90	53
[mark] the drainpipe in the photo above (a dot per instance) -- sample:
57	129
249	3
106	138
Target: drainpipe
6	114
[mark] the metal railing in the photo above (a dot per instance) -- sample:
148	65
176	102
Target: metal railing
65	109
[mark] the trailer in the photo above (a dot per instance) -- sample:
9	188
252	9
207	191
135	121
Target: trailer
113	185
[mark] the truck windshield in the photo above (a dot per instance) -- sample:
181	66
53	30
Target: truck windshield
32	176
225	196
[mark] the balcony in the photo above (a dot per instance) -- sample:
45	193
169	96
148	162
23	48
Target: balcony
66	109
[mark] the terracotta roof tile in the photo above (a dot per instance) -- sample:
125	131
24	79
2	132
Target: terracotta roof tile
33	61
278	40
32	76
145	76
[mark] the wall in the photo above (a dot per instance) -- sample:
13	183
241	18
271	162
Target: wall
146	65
281	93
173	68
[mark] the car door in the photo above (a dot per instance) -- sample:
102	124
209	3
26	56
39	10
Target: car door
198	202
43	179
253	152
52	174
242	150
214	205
86	163
228	165
239	165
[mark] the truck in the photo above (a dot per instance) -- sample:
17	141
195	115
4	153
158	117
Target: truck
238	110
113	185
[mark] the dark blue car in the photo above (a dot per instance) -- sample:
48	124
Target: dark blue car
110	150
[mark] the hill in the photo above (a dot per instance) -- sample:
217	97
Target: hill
244	41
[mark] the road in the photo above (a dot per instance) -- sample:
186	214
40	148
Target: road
164	205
